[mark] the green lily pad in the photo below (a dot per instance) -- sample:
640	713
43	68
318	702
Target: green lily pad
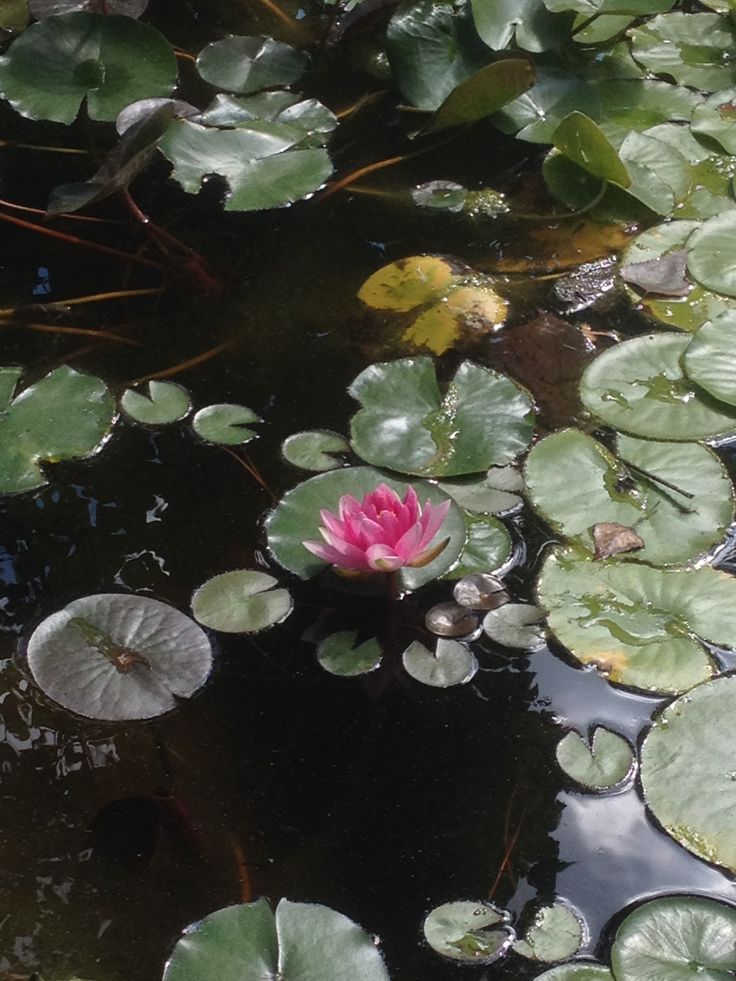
710	358
529	22
576	483
496	492
116	656
641	626
694	49
577	971
688	771
405	423
486	91
241	602
109	61
536	114
678	938
314	450
659	174
64	416
711	256
556	933
51	8
639	386
339	654
247	64
300	942
225	424
473	933
600	765
584	142
519	625
591	8
296	519
715	118
310	116
450	664
159	404
488	546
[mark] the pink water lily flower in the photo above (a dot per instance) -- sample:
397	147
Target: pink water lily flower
381	533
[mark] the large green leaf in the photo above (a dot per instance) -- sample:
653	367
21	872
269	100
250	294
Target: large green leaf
639	386
405	422
486	91
499	22
710	358
584	142
694	49
590	8
63	416
487	549
643	627
309	116
687	771
677	938
247	64
711	255
575	483
110	61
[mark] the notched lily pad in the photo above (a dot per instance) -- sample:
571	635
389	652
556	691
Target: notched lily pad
247	64
496	492
242	601
710	358
488	547
339	654
472	933
518	625
158	404
225	423
317	449
451	663
555	933
606	760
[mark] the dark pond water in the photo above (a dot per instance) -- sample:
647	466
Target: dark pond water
278	779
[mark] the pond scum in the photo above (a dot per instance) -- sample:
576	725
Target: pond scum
448	650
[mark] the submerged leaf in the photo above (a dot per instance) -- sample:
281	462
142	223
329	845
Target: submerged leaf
407	283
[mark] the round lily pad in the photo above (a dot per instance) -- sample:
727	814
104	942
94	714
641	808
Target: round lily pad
639	386
117	656
296	519
315	450
694	49
711	258
689	774
408	283
225	423
557	932
577	971
339	654
300	942
678	938
473	933
405	423
451	664
715	117
242	601
487	549
641	626
247	64
607	761
710	358
159	404
463	310
519	625
496	492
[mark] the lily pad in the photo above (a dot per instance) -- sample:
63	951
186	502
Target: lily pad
473	933
241	602
483	93
315	450
556	933
519	625
712	254
310	116
247	64
451	664
577	971
405	422
64	416
694	49
710	358
339	654
715	118
643	627
688	771
676	496
296	519
225	424
584	142
488	546
300	942
678	938
107	61
116	656
159	404
408	283
463	310
496	492
639	386
529	22
607	761
51	8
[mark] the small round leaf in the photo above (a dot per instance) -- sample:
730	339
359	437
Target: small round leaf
556	932
452	664
242	601
314	450
518	625
225	424
605	762
159	404
474	933
339	654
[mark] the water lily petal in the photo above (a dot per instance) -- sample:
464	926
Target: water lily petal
431	519
346	559
409	544
383	559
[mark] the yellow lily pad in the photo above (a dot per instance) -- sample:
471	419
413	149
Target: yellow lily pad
407	283
467	309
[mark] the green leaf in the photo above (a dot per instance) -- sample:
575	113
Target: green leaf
639	386
715	118
660	174
496	492
477	933
678	938
117	656
241	602
247	64
641	626
488	546
486	91
296	519
712	254
600	765
577	971
687	771
451	664
585	143
340	655
109	61
498	22
51	8
307	115
14	16
64	416
536	114
405	423
314	450
710	358
601	28
517	625
159	404
225	424
555	933
590	8
694	49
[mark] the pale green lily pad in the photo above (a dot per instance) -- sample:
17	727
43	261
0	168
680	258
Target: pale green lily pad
488	546
689	774
300	942
639	386
451	663
496	492
296	519
407	424
576	483
107	61
715	118
310	116
517	625
577	971
694	49
64	416
315	450
556	933
600	765
527	21
159	404
243	601
641	626
226	424
247	64
473	933
712	254
339	654
710	358
117	656
677	938
660	176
